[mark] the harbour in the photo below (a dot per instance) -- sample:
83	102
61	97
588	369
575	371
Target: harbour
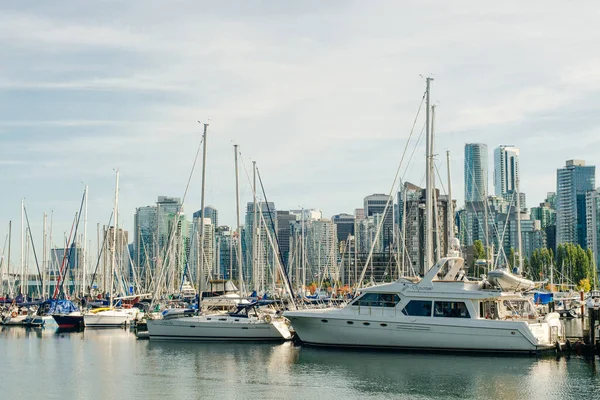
299	200
112	363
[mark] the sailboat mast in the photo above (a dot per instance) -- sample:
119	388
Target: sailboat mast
85	221
22	247
434	200
519	240
255	272
114	240
450	207
200	272
239	227
428	194
44	260
10	288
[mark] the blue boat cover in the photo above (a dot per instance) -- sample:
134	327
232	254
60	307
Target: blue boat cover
542	298
58	307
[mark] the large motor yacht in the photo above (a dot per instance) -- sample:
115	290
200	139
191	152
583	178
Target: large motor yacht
442	311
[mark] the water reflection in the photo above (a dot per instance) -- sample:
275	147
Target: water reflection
113	364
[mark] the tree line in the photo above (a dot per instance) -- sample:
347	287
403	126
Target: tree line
571	264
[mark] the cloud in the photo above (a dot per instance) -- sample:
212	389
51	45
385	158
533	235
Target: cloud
321	95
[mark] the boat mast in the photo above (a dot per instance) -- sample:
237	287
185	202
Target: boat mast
428	194
239	227
114	242
200	271
44	260
10	288
22	248
303	254
519	240
450	207
438	242
255	273
84	241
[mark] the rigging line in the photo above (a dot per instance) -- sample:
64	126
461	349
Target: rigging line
408	164
370	256
172	233
68	257
279	254
101	249
37	265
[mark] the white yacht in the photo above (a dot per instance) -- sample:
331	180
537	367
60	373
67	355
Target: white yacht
110	317
248	323
443	311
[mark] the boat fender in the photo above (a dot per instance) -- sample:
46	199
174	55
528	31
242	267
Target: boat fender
13	314
267	318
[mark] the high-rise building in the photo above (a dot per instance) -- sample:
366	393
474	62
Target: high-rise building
382	204
593	223
258	261
344	226
572	183
210	264
321	248
144	242
413	248
156	227
226	250
209	212
476	172
284	219
506	169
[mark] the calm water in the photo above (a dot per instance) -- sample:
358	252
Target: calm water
112	364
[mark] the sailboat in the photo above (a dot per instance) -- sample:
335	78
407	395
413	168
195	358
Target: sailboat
256	321
111	317
443	311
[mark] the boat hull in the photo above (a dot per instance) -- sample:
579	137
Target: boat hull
18	320
197	328
512	337
109	319
69	321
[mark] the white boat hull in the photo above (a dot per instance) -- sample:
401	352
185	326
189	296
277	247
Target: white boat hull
110	318
210	328
424	333
18	320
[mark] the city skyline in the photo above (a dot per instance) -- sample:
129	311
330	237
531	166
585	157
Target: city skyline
96	105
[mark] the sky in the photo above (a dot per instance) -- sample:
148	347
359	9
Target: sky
322	95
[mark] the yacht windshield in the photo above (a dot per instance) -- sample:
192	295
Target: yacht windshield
377	300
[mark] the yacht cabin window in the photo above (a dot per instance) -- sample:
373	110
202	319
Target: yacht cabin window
451	309
377	300
418	308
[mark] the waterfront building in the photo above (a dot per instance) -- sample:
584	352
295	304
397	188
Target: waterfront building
284	220
145	241
226	250
258	252
476	172
209	212
210	264
546	215
572	183
365	230
592	203
506	169
322	249
344	226
412	251
382	204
